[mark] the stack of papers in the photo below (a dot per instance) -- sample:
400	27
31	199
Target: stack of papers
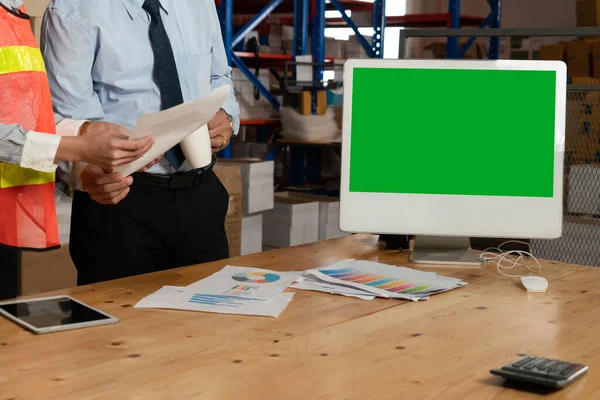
233	290
366	280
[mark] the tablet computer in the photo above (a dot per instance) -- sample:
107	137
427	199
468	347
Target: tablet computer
53	314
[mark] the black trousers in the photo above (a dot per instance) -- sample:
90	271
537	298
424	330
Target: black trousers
9	272
153	229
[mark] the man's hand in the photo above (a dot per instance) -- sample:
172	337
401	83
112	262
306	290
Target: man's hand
105	188
152	164
220	131
105	145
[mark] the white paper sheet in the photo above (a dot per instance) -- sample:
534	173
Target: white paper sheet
385	280
252	283
179	298
171	126
307	284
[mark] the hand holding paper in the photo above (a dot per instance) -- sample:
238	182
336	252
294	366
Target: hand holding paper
172	126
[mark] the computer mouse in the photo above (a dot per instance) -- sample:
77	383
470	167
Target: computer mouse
534	283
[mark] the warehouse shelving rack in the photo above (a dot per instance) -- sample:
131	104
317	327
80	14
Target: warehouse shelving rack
309	16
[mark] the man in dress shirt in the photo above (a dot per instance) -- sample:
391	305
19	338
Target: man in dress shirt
115	60
33	140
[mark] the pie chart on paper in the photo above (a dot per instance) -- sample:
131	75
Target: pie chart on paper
256	277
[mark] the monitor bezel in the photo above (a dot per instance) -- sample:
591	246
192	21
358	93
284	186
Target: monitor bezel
453	215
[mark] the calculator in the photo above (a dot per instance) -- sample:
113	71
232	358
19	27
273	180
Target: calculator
542	371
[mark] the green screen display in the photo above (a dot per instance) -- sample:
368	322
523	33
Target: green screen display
453	132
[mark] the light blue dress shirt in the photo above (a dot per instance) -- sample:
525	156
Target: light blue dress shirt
100	61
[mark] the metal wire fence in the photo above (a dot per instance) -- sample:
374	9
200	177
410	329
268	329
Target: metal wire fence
580	242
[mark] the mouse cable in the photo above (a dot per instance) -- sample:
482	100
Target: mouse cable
507	260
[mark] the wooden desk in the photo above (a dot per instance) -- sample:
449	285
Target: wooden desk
321	347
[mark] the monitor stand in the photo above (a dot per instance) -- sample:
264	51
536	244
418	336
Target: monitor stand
444	250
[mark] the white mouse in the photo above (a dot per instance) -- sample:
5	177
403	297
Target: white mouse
534	283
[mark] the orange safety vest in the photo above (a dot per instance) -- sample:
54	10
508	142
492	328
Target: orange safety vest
27	206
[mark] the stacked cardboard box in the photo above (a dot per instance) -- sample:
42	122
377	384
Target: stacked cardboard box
588	12
354	49
250	150
579	58
257	183
292	222
257	179
250	107
231	177
329	214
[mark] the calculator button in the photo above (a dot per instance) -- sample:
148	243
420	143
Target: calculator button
522	362
547	366
559	367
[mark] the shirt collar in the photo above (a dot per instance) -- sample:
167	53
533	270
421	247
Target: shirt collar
134	6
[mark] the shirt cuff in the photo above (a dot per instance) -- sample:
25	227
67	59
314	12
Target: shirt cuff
69	127
39	151
77	170
231	108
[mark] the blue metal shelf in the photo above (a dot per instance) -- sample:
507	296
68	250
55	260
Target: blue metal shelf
306	17
492	20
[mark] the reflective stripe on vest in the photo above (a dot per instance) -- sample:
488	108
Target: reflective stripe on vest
15	59
12	175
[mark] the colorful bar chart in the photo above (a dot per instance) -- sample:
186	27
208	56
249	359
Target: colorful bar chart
387	283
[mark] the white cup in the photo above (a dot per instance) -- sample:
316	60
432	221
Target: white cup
196	148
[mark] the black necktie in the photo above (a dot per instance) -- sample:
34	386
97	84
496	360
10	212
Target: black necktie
165	71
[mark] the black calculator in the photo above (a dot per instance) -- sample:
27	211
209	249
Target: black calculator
542	371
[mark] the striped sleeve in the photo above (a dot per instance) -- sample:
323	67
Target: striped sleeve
12	142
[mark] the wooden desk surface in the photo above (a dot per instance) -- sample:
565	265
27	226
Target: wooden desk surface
321	346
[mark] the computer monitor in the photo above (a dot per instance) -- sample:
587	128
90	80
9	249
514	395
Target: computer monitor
452	149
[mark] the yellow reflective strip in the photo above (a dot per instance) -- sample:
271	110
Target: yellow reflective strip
21	59
12	175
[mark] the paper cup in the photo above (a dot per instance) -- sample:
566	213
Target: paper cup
196	148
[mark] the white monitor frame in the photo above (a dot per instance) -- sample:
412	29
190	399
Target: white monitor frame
453	215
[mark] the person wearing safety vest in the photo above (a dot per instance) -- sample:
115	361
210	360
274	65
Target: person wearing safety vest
30	149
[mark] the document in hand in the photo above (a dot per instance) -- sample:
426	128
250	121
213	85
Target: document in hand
170	127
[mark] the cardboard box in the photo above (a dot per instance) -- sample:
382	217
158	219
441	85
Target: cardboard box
231	177
257	183
292	222
588	12
476	51
329	214
555	52
321	102
579	58
252	234
46	272
305	102
596	60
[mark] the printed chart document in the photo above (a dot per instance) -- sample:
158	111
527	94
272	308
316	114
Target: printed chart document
382	280
180	298
170	127
252	283
309	282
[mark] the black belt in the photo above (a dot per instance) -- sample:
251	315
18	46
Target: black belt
179	180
